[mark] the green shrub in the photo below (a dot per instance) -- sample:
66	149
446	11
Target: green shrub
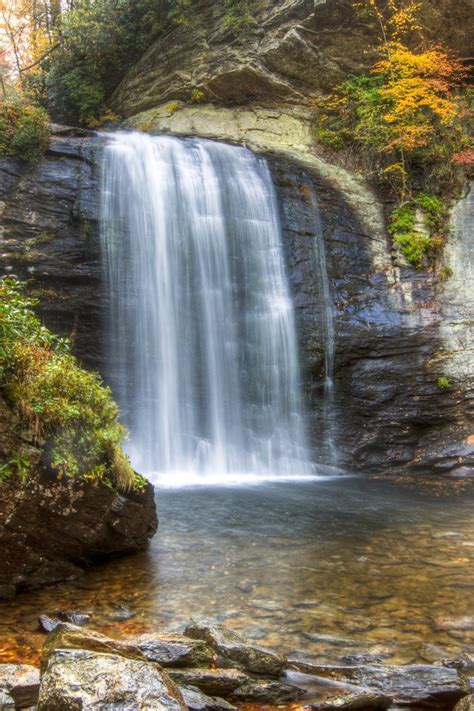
238	17
68	408
415	245
24	130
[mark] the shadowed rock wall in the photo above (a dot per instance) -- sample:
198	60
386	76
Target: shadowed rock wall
397	330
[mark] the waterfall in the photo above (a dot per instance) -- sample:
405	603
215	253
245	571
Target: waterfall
201	336
327	326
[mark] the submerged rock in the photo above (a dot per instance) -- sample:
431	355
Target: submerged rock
235	648
19	683
81	679
49	623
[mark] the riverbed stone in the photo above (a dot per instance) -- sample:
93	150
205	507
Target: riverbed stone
174	650
21	683
67	636
196	700
214	682
355	701
423	685
235	648
84	680
6	701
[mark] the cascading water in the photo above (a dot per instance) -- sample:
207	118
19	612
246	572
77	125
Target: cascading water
327	327
202	347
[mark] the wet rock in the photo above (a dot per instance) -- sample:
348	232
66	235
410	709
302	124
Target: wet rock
71	524
80	679
20	682
174	650
245	586
196	700
466	704
456	623
67	636
49	623
363	701
235	648
219	682
6	701
122	612
268	692
422	685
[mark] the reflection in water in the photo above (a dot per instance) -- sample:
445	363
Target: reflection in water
329	570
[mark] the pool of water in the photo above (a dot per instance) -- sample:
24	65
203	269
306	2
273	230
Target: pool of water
327	570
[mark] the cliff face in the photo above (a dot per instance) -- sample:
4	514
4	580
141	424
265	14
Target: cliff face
397	330
295	50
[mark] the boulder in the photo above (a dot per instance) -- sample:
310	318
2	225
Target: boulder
71	524
363	701
231	646
237	685
174	650
19	683
196	700
48	623
84	680
215	682
418	685
67	636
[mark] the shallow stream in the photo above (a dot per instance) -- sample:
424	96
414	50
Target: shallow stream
325	570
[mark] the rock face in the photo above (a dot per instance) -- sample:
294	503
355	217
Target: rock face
291	51
396	330
51	530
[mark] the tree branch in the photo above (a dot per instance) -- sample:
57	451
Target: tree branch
43	56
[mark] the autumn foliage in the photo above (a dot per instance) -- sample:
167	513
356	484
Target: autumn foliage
408	111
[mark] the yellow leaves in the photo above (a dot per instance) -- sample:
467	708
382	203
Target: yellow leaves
395	18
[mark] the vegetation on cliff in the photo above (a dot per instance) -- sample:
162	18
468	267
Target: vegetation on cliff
24	129
408	121
70	56
68	410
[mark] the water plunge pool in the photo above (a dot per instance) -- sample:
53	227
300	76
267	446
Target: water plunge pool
328	570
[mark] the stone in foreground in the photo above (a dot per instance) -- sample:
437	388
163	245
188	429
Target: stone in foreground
21	683
418	685
196	700
67	636
219	682
235	648
84	680
363	701
174	650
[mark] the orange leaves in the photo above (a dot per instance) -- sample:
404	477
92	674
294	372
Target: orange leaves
418	93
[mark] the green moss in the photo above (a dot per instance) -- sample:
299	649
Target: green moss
416	246
68	408
443	383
